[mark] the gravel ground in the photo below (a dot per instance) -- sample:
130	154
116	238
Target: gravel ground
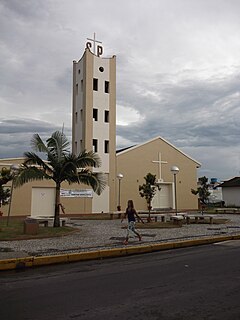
102	234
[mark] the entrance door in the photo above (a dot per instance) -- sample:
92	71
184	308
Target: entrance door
162	198
43	202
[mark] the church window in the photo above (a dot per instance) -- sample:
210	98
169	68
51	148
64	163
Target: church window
106	146
106	86
95	114
106	116
101	69
81	114
82	85
79	71
95	84
77	88
95	145
76	117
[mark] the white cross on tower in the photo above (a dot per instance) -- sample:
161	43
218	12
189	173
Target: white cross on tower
94	42
160	162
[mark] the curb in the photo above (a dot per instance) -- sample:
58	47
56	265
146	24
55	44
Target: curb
18	263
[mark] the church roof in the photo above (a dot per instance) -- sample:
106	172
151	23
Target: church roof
234	182
122	151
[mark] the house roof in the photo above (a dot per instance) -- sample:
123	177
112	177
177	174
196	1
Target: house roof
234	182
156	138
10	161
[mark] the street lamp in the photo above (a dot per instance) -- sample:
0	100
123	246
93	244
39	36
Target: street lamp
13	170
175	170
119	176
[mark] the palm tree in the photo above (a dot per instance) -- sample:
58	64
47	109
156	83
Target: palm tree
148	190
61	165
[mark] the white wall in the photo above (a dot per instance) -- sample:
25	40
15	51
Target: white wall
231	196
43	202
101	203
101	102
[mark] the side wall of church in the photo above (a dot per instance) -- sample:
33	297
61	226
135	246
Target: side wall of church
136	163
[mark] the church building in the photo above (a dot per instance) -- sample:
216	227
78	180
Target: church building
94	128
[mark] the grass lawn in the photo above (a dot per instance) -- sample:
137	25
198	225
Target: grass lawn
15	230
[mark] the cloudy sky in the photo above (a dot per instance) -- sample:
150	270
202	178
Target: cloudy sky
178	72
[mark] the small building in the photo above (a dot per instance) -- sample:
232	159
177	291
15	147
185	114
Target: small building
231	192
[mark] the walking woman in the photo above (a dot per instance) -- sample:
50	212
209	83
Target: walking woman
130	214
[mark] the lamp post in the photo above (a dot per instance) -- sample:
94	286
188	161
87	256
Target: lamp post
119	176
13	170
175	170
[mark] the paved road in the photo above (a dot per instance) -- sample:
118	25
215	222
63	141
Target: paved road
192	283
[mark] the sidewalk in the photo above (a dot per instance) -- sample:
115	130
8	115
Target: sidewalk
97	235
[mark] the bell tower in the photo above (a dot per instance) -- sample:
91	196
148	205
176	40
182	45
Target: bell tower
94	115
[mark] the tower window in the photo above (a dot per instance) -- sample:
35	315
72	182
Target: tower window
81	145
79	71
77	88
95	84
95	145
82	85
76	117
95	114
101	69
106	146
106	87
75	146
106	116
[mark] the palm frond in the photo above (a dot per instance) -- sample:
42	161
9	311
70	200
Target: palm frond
61	165
97	180
32	158
37	144
58	145
88	159
27	174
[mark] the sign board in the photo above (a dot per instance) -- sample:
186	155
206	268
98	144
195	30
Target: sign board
86	193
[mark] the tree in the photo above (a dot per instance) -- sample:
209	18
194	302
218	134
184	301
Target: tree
202	190
148	190
5	177
61	165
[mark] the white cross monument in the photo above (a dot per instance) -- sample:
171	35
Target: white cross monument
94	42
160	162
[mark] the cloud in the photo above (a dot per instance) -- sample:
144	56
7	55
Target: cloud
177	72
192	114
16	135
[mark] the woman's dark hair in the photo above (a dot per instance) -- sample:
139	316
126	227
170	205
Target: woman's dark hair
130	204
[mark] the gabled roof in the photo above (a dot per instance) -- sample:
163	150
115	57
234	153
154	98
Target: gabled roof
234	182
149	141
123	149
